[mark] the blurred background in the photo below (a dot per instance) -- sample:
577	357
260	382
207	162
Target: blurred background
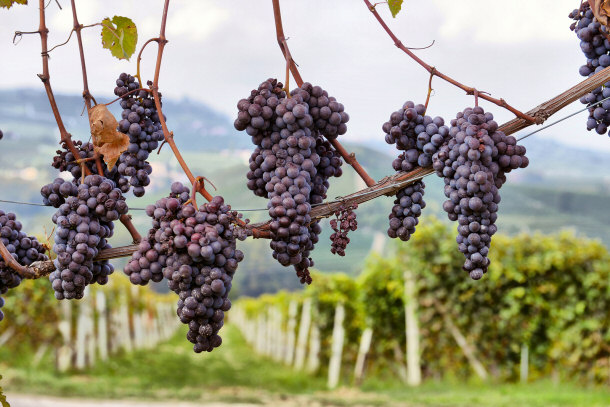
388	324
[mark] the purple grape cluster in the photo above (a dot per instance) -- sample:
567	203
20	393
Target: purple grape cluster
595	44
150	260
292	162
256	115
417	135
329	116
140	121
55	193
473	164
65	161
345	222
84	220
23	248
407	207
195	250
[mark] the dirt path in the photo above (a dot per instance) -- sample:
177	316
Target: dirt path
22	400
341	398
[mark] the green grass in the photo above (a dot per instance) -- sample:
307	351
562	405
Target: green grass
171	370
539	394
233	373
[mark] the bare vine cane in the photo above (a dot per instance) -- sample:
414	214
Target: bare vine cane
349	158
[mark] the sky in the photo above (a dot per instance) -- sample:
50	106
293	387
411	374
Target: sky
522	51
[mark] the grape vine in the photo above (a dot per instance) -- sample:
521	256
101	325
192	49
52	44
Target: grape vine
296	153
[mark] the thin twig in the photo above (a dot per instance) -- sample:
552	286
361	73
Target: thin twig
126	221
45	77
128	93
63	43
169	137
469	90
429	89
20	34
77	28
140	59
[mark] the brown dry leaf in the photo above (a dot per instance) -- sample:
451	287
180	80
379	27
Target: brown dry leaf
601	10
107	140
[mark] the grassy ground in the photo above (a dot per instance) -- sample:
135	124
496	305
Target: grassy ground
234	374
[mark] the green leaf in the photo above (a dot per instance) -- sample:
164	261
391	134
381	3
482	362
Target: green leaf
8	4
395	6
120	36
3	401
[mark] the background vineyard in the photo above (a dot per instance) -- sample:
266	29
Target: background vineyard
545	299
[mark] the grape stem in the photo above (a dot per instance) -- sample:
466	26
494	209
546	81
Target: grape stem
469	90
140	58
429	89
169	136
45	77
77	28
126	94
350	158
126	221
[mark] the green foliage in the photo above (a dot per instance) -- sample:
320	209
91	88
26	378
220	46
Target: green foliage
326	292
550	293
31	314
395	6
120	36
9	3
381	291
547	292
3	401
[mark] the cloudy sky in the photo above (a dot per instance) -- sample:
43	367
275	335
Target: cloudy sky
522	51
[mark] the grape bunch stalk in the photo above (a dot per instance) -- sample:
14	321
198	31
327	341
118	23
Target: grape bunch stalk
195	250
23	248
345	222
